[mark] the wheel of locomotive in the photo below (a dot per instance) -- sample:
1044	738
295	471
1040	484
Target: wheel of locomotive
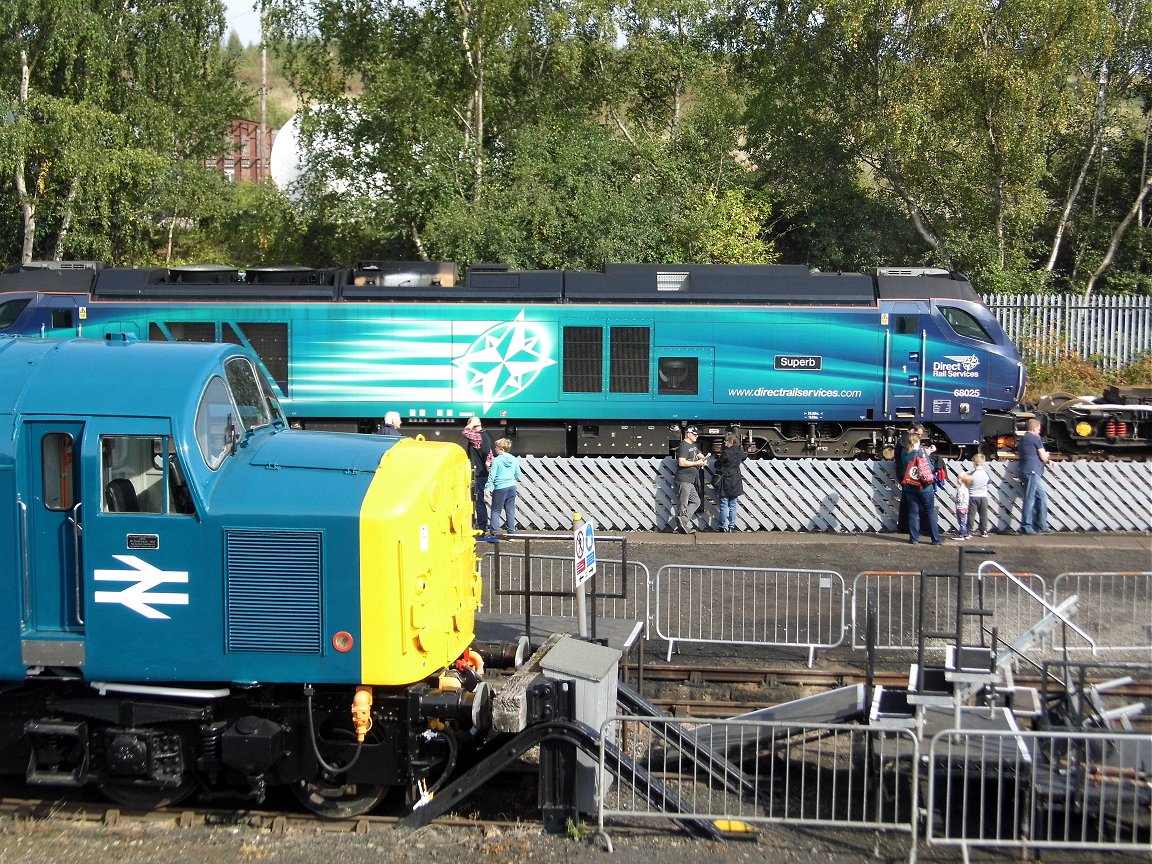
329	798
136	797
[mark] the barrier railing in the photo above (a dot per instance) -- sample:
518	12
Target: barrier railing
1116	607
621	587
750	606
831	775
1037	790
898	593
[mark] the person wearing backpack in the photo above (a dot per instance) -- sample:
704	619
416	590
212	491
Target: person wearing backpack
918	486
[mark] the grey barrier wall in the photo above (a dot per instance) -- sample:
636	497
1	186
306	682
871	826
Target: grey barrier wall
817	495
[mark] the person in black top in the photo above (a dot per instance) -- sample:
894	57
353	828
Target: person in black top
478	446
728	480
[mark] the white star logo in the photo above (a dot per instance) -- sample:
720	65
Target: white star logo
505	359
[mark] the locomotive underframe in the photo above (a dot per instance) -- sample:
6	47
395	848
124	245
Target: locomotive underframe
147	752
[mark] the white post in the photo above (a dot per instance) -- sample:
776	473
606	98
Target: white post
581	603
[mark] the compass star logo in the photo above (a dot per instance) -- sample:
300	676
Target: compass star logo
505	359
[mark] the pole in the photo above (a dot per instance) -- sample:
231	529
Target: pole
581	604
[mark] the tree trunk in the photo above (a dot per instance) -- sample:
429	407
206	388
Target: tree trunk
1117	236
57	253
27	204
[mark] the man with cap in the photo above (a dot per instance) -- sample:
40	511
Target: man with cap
689	461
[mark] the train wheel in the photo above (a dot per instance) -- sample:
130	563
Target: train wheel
331	800
147	797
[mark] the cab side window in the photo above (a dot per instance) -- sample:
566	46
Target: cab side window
140	474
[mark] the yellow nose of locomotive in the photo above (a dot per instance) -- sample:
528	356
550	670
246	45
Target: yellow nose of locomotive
420	586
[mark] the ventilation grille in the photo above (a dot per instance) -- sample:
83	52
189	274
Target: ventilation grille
272	591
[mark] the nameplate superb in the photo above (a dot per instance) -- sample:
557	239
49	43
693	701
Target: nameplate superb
794	363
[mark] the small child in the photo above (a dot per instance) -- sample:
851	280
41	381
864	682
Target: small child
979	481
502	479
962	496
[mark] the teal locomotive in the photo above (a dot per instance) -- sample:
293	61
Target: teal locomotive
608	362
198	597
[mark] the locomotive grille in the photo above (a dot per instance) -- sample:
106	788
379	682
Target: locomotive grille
272	591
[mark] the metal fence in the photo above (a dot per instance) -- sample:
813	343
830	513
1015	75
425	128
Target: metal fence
830	775
750	606
1117	606
1111	331
897	595
1036	790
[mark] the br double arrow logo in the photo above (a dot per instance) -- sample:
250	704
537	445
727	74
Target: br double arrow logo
144	577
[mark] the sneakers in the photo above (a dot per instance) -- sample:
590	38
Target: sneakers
960	537
983	533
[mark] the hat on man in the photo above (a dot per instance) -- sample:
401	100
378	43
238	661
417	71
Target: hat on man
691	430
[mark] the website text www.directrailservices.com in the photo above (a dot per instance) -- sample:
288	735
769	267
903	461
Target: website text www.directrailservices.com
795	392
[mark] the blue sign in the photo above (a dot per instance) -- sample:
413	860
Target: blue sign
585	540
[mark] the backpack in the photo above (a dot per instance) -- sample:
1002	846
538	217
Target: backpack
919	471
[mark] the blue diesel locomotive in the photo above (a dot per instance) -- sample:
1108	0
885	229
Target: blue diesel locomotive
196	596
611	362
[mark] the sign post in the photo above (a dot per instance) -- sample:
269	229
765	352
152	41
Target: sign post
584	545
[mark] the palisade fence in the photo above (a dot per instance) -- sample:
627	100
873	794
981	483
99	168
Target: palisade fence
816	495
1110	331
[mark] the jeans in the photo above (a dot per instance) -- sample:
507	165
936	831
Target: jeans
504	501
686	507
1035	505
729	507
479	506
921	509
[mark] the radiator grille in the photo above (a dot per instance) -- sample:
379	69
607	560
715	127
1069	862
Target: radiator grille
273	591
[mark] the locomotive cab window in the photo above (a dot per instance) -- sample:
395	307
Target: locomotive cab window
216	429
57	460
132	475
964	323
10	310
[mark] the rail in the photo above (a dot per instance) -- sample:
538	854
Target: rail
1116	605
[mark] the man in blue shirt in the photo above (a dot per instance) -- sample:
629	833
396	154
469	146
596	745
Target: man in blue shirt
1033	458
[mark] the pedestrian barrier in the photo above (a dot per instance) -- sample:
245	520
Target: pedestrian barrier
750	606
1001	788
621	587
1115	607
898	594
818	774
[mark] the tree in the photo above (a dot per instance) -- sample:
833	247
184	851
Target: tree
117	108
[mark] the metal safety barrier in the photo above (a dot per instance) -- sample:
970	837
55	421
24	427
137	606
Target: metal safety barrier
898	594
750	606
1035	790
621	587
1115	607
743	772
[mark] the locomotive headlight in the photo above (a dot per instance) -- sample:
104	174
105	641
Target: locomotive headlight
1084	429
342	641
965	408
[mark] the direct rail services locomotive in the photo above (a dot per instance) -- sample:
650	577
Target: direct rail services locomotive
197	597
611	362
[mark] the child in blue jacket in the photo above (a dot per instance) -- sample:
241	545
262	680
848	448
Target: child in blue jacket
502	479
